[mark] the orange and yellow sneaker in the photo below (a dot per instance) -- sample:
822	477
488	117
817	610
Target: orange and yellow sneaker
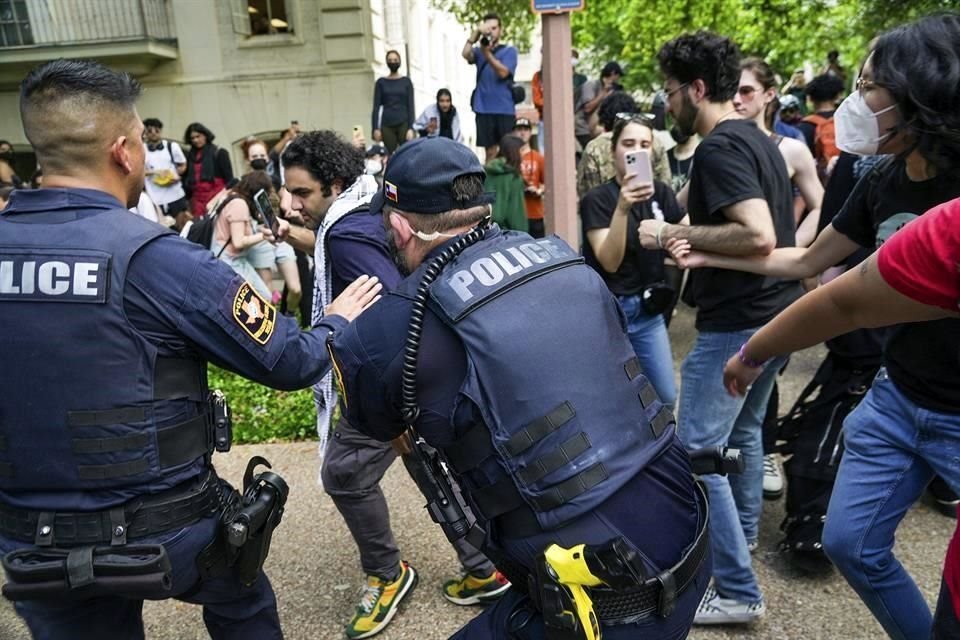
379	601
472	590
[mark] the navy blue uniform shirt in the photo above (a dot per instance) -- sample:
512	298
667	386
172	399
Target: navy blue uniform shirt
369	360
357	246
178	295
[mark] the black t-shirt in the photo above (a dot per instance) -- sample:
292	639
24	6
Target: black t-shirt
640	267
738	162
922	359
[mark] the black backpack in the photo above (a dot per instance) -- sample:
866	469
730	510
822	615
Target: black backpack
201	231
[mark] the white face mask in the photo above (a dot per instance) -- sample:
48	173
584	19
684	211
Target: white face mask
858	131
428	237
373	167
576	61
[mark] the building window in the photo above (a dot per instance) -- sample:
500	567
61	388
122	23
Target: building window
268	17
14	23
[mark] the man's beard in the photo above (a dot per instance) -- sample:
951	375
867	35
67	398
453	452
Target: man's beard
397	256
687	118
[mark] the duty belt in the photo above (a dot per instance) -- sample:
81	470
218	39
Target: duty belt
147	516
624	606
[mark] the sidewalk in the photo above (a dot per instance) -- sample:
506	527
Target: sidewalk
314	568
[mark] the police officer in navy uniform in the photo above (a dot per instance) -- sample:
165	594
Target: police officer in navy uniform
526	383
108	322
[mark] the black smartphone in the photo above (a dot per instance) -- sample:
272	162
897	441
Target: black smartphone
269	218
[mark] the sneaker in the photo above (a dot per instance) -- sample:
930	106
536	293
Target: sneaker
379	601
943	497
472	590
752	546
772	477
716	610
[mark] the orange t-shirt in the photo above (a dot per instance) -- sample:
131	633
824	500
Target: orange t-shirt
531	168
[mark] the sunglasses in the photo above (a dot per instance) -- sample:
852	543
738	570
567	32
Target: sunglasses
746	90
643	118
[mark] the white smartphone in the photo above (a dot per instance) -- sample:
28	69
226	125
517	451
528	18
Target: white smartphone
639	167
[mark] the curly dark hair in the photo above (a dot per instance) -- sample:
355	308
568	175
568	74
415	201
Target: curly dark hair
824	88
704	56
919	64
616	102
326	156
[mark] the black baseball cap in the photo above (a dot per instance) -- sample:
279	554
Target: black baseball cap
419	177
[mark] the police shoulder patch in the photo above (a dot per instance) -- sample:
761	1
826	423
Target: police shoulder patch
254	314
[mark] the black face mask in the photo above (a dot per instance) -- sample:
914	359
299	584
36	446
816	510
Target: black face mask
393	66
7	156
258	165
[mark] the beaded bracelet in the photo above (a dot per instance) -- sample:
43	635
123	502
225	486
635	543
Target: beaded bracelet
750	362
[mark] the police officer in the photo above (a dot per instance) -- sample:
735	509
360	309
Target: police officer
526	383
108	322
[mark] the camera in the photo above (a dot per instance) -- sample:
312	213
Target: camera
484	41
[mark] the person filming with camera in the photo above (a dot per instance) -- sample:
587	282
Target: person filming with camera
493	100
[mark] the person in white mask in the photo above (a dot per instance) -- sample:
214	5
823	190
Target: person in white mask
907	428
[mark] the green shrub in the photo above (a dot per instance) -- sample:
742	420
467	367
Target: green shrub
261	414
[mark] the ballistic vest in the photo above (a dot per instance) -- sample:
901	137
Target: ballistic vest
82	385
564	403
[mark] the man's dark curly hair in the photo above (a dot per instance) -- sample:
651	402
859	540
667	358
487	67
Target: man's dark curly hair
824	88
326	156
703	56
919	64
616	102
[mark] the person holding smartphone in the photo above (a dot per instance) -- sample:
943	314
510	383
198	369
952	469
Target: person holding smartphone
234	236
611	214
440	119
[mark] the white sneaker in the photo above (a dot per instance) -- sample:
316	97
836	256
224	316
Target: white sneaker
716	610
772	477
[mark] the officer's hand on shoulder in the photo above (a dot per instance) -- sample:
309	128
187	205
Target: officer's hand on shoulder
355	299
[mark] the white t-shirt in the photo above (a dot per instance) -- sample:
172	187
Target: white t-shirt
145	208
160	160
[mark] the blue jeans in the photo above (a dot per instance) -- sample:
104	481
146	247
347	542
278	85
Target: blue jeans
230	610
893	450
648	335
709	416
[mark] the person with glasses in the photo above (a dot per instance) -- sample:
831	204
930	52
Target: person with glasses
611	214
904	106
740	203
756	100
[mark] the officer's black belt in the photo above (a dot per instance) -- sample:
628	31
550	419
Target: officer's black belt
654	596
151	515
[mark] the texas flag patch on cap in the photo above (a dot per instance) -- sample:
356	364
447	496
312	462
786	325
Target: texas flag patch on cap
390	191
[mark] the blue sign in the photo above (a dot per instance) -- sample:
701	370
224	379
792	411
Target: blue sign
556	6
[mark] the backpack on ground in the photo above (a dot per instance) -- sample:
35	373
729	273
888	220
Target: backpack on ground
824	142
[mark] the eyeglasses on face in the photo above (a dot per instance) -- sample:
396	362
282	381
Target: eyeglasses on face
669	92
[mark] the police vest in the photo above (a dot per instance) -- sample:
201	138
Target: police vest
78	414
564	404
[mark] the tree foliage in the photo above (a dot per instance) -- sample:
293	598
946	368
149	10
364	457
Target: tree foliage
786	33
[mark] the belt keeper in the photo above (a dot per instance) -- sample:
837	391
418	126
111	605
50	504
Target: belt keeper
44	534
118	527
668	594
